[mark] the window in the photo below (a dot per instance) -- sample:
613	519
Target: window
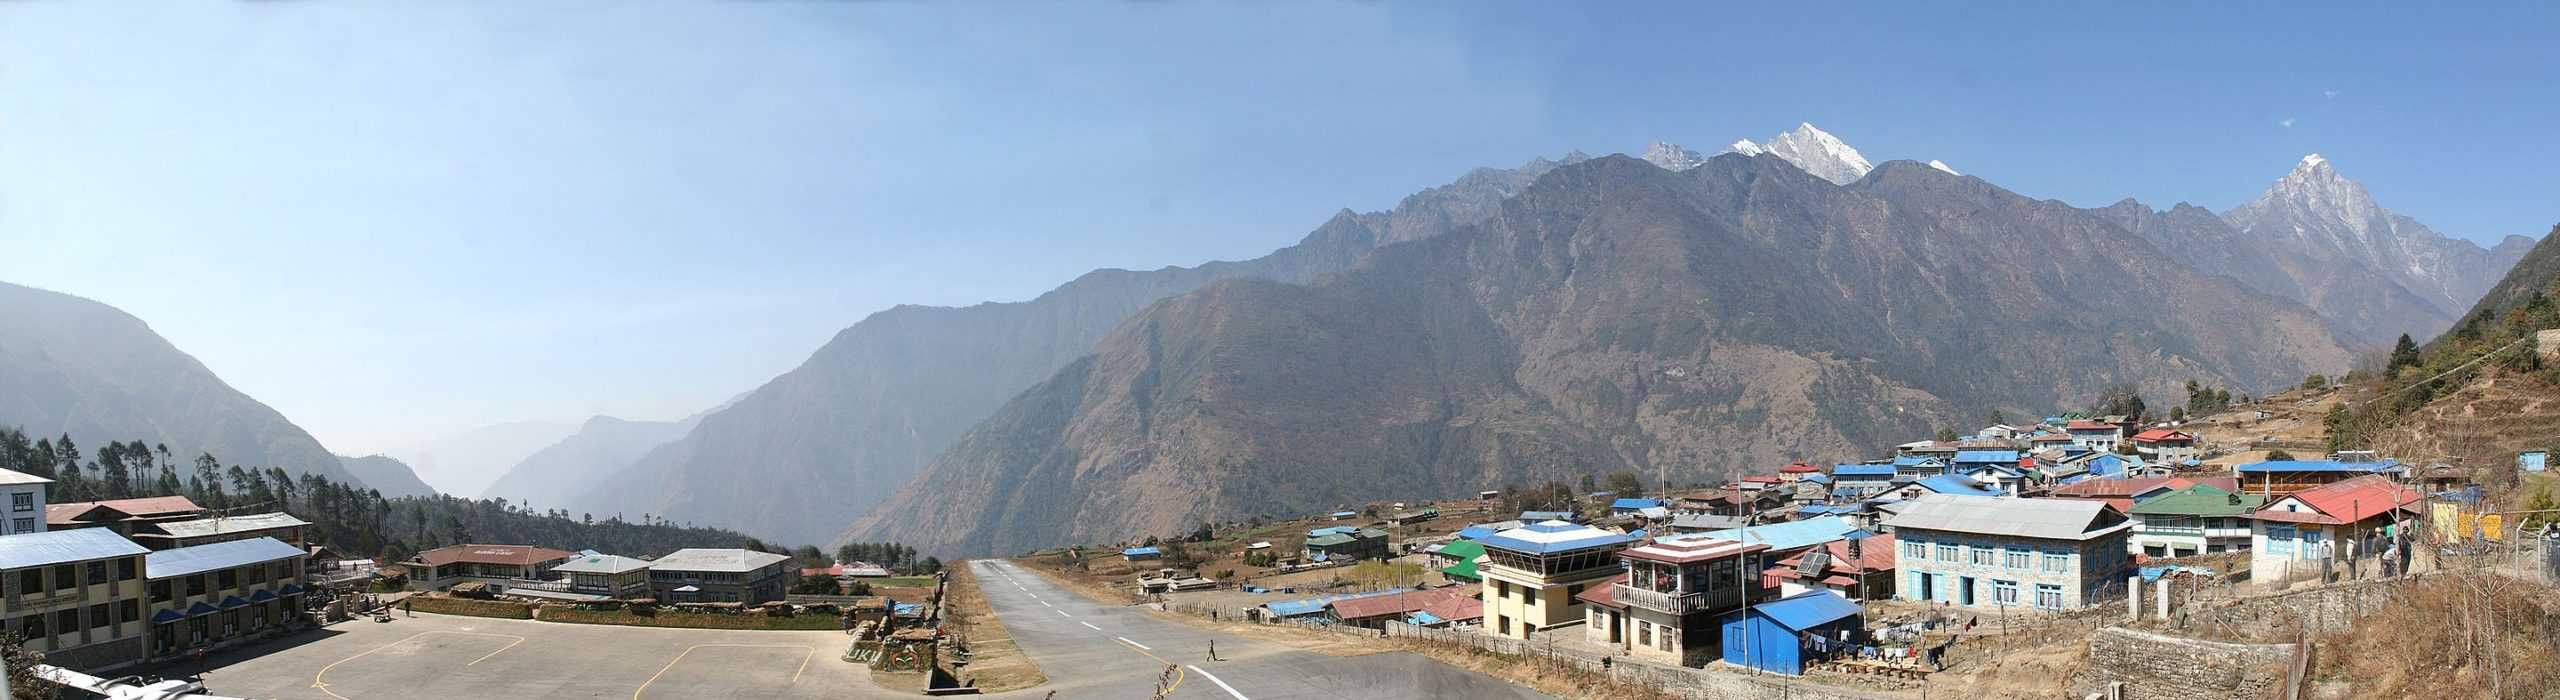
159	591
2020	559
1503	623
125	569
22	502
2049	596
2004	592
97	573
30	582
1946	552
1981	555
66	576
129	610
33	625
67	621
2057	562
227	579
1644	633
98	615
195	585
2280	539
22	525
1915	551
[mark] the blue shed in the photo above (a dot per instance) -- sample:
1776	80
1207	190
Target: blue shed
1775	636
2533	461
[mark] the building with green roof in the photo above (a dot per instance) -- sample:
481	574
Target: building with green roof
2195	520
1458	560
1348	545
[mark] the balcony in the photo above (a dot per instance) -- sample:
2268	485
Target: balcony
1674	603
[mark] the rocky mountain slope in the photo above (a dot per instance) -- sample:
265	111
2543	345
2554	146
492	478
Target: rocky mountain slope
1614	315
2377	271
392	477
73	366
829	439
554	475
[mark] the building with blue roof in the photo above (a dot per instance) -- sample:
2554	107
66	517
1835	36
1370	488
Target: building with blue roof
1629	506
1788	537
2009	457
1949	484
215	595
1141	554
1918	466
1534	516
1780	636
1531	573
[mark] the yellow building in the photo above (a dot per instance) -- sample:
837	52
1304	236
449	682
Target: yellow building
1531	574
75	595
213	595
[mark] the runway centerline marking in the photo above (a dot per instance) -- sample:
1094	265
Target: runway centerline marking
1063	613
1222	685
807	653
1088	625
323	685
1134	644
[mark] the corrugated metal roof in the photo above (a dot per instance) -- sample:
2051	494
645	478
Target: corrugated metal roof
1634	503
1789	535
1958	486
733	561
65	546
2042	518
1553	536
207	527
12	478
2010	456
1809	610
1847	470
201	558
602	564
2319	466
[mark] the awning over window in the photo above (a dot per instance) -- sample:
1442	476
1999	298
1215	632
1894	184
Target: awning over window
201	609
262	596
166	616
292	588
234	602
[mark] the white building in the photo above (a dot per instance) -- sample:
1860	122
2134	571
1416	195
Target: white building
24	494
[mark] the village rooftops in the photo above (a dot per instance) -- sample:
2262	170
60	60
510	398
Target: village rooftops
1551	537
2040	518
1783	536
1604	593
2340	503
1635	503
217	556
2324	465
2079	425
1685	551
1141	552
208	527
1398	603
1799	468
1544	515
504	554
1953	485
734	561
1808	610
2200	500
1844	471
610	564
2162	435
143	508
1982	456
64	547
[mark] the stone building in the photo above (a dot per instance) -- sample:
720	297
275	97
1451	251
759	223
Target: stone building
2053	554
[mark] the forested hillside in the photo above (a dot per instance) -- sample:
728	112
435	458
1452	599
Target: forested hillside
356	520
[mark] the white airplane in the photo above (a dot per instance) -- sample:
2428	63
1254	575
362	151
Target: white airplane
128	687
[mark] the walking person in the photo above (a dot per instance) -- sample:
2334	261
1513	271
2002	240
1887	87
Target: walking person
1213	650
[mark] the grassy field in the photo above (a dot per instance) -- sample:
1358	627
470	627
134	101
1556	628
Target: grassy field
474	608
901	582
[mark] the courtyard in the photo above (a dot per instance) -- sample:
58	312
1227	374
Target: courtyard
438	656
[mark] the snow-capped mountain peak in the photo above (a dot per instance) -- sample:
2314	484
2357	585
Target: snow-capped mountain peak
1942	166
2315	208
1814	150
1670	156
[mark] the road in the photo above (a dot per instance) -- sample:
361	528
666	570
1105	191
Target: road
1088	649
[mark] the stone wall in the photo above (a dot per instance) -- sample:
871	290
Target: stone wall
2158	666
2325	609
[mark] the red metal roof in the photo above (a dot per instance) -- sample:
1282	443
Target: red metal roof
1603	594
2353	500
1799	468
1397	603
515	554
2126	488
147	507
2051	437
2162	435
1457	608
2089	425
1760	479
1875	554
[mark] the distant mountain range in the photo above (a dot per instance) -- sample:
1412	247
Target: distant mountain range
1614	315
467	463
831	438
556	476
390	476
73	366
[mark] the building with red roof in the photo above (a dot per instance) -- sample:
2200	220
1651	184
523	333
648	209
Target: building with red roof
2317	529
2165	446
2124	493
1672	594
2096	435
443	566
1865	574
1373	612
121	515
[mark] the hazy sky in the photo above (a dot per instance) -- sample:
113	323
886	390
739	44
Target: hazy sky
397	221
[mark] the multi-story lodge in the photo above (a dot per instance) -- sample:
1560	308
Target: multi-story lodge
216	594
2311	532
25	495
172	534
2054	554
75	595
607	575
1532	572
718	576
444	566
1666	606
2195	520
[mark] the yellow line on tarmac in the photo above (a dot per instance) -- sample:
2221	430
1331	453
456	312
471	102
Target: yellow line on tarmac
1178	673
807	653
323	685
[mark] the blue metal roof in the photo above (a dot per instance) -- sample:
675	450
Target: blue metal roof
1914	460
262	596
1808	610
1957	485
63	547
167	616
1635	503
1818	509
1818	478
201	558
1335	530
1544	538
1474	532
1537	515
2010	456
229	602
1310	606
1790	535
1422	618
1344	513
2319	466
201	609
1141	552
1842	470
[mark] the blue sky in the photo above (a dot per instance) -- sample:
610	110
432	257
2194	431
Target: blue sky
396	221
